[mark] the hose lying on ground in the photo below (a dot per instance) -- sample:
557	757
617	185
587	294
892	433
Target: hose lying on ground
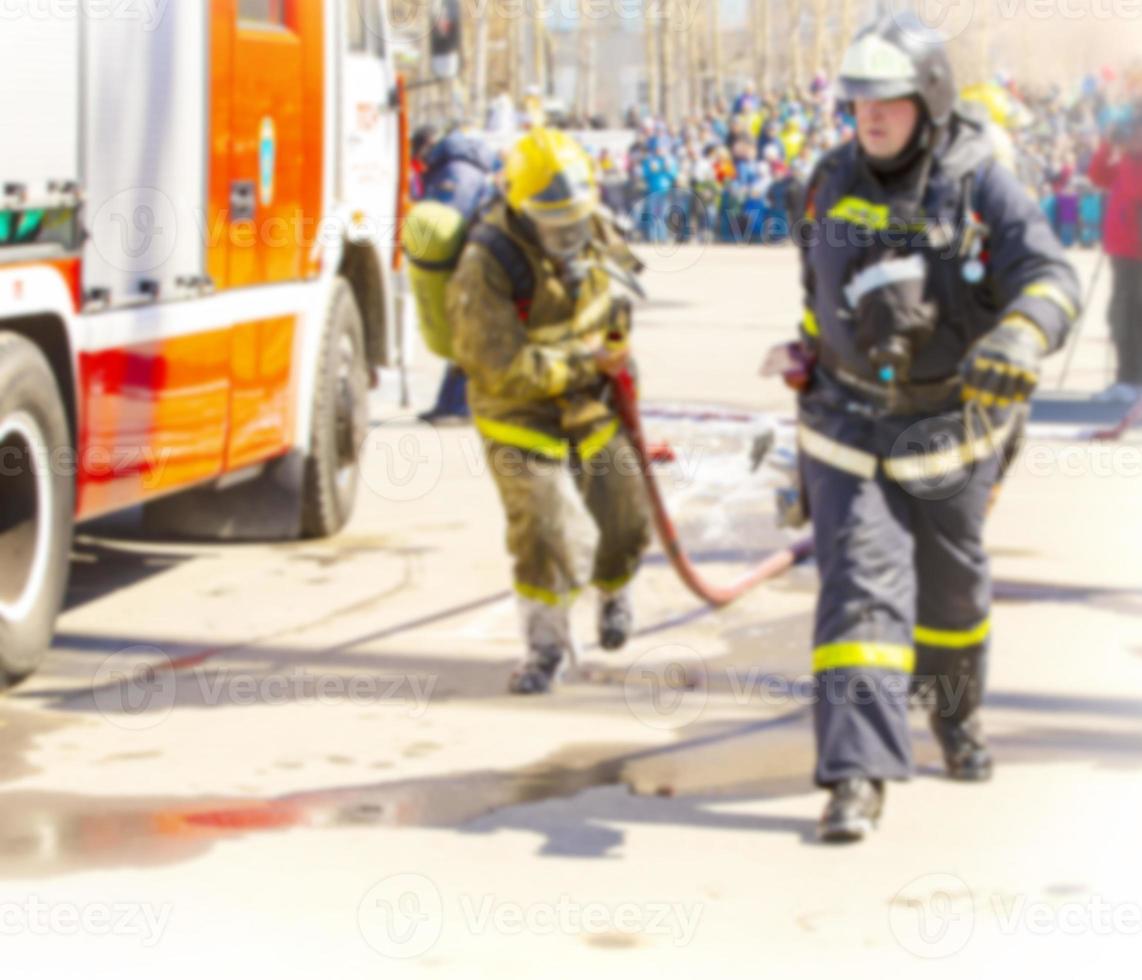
626	404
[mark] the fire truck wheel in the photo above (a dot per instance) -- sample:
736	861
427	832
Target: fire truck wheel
340	419
37	495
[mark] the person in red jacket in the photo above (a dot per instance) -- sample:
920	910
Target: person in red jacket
1117	168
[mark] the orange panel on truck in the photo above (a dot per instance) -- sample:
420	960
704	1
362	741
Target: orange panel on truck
261	403
266	140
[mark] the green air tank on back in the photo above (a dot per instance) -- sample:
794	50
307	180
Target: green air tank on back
433	238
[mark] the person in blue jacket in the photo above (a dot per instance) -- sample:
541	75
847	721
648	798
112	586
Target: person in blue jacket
458	172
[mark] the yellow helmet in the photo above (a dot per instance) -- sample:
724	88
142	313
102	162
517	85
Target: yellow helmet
551	179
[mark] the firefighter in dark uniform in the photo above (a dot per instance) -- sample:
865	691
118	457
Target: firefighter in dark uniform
933	289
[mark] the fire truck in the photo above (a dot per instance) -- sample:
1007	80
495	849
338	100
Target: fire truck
199	201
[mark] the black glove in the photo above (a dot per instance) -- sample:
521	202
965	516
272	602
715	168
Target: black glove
1003	367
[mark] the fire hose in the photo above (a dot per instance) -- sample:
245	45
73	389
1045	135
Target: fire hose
626	405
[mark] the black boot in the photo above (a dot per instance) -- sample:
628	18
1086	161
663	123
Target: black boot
616	619
965	752
853	810
537	673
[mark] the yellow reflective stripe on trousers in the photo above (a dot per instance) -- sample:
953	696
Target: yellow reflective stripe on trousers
931	466
887	656
858	211
516	435
809	323
596	442
546	596
954	639
614	584
836	454
1049	291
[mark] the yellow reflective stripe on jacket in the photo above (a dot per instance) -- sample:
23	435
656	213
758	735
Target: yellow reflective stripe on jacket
930	466
954	639
546	596
858	211
836	454
809	323
516	435
887	656
1049	291
596	442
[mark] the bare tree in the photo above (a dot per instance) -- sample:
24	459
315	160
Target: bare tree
652	38
669	70
515	58
478	102
759	35
846	33
795	10
585	76
539	45
819	10
715	12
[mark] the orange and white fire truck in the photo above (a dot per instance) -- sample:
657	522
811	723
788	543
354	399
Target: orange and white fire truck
198	208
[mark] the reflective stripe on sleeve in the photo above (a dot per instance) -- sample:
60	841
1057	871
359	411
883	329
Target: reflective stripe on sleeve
1049	291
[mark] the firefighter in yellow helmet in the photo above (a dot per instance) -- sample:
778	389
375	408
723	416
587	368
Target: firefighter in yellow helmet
537	330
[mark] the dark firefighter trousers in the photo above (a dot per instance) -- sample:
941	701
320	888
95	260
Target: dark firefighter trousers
904	605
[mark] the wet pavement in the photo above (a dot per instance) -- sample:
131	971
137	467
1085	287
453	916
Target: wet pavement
299	760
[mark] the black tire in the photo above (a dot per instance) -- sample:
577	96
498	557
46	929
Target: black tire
37	506
340	419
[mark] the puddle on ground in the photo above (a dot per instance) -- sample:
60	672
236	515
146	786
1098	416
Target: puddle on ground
50	833
19	730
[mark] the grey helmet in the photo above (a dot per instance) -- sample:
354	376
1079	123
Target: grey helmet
898	56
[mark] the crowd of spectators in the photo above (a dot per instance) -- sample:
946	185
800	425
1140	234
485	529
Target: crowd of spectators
735	173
